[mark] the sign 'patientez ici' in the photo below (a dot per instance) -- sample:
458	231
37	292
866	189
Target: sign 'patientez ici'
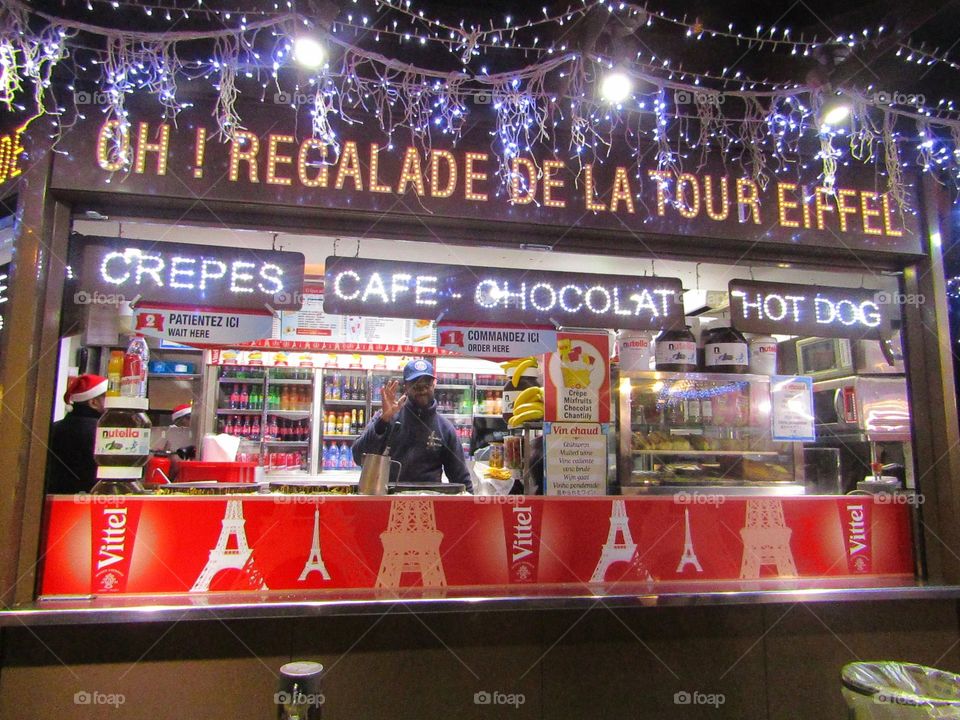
187	275
357	286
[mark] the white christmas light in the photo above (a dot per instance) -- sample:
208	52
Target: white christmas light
616	87
308	52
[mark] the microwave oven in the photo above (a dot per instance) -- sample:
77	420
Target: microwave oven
862	407
823	358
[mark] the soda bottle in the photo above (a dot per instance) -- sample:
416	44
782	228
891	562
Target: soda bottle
235	397
273	427
114	373
245	428
244	398
344	463
133	382
255	429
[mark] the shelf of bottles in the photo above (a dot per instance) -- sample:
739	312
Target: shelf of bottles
346	396
270	410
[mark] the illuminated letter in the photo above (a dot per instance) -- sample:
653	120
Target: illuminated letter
426	285
549	182
435	157
724	211
888	217
821	206
552	294
400	283
273	274
752	198
105	143
621	191
843	209
236	275
523	195
693	209
321	178
204	275
104	268
250	154
338	289
563	302
274	159
867	212
161	147
783	204
175	270
588	190
470	175
154	270
873	317
411	172
349	167
375	185
375	287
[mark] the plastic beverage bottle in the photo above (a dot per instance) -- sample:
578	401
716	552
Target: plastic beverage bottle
133	382
114	373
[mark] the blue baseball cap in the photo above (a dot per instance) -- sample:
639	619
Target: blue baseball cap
417	368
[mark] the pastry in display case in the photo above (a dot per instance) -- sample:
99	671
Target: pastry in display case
684	430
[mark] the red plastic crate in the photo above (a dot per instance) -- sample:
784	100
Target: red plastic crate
225	472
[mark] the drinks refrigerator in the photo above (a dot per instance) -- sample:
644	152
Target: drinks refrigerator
305	420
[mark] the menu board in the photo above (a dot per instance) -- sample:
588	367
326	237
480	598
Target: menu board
312	324
576	458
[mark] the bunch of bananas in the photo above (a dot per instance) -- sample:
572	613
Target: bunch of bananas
517	366
527	407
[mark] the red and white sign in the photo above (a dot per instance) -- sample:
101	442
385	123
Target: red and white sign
577	379
496	342
297	542
202	327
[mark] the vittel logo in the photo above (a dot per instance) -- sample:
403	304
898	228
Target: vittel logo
522	533
113	539
856	531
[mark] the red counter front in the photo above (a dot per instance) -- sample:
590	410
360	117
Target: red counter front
100	545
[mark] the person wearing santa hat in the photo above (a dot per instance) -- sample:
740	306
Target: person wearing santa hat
71	468
178	437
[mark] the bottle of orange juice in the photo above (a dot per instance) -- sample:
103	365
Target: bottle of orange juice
114	373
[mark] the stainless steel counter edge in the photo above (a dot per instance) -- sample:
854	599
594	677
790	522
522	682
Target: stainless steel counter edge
277	605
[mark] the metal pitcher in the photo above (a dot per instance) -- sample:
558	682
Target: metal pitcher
375	473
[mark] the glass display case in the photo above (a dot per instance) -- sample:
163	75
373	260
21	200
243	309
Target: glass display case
702	431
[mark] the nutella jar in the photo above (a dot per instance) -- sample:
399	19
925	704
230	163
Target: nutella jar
676	351
725	350
763	355
122	445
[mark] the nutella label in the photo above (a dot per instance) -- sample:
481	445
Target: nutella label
676	352
122	441
719	354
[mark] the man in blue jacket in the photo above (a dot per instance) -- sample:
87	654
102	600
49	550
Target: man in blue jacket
424	442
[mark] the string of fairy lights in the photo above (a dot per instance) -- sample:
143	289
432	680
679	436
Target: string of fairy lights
561	95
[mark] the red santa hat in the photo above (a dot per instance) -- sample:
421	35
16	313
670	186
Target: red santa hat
84	387
180	410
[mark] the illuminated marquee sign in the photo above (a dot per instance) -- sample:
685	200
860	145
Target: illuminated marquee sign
767	307
192	275
11	151
356	286
4	296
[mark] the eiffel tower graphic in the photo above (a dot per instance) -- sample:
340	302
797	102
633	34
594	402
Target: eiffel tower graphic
689	554
766	540
315	561
411	543
223	557
619	547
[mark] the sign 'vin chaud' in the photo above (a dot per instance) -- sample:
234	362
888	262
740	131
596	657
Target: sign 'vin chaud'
357	286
